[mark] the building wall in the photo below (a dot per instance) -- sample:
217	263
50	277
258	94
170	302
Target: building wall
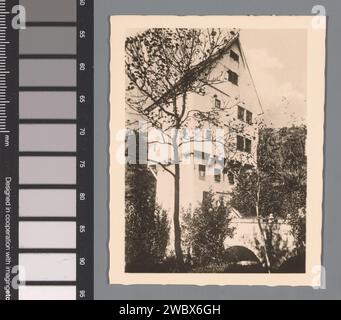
230	96
192	186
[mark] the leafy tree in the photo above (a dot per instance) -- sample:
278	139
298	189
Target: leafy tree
164	66
281	155
289	177
275	188
247	195
206	230
147	226
160	234
277	247
297	221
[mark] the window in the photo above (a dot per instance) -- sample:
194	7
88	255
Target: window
244	115
249	117
240	143
205	196
248	145
241	112
232	77
230	176
202	171
234	56
217	103
244	144
217	175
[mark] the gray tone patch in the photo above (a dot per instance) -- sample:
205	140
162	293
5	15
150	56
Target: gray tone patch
47	72
47	203
48	137
47	105
50	10
47	170
48	40
47	235
48	266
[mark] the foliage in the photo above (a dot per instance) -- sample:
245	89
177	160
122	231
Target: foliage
297	221
281	165
206	230
160	234
147	226
277	247
282	160
244	194
294	264
277	188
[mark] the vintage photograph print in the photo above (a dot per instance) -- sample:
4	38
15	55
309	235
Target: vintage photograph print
216	153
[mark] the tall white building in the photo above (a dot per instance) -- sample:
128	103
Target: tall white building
200	170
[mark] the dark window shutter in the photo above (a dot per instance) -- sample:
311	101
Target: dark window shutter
249	117
233	77
248	145
217	175
205	195
241	112
202	171
240	143
234	56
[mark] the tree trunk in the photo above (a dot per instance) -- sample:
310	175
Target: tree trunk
259	220
176	218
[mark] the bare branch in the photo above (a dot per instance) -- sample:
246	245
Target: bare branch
163	166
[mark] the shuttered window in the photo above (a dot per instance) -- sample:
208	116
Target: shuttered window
232	77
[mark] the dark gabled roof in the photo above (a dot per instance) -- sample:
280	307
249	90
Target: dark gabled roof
193	73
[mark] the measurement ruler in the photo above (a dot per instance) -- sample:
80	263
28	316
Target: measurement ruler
46	150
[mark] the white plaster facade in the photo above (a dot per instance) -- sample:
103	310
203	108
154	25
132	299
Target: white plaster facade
231	96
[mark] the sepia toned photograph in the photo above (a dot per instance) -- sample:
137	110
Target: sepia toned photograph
216	150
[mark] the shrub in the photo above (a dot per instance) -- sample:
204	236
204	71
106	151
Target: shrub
147	225
206	230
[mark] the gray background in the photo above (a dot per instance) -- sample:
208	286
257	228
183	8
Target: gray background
332	216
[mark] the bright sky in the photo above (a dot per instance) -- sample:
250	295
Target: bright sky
277	60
